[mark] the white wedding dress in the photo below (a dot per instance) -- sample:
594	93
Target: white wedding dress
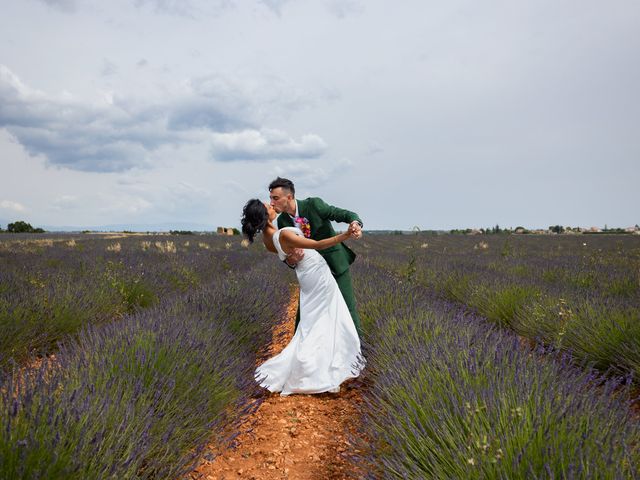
325	350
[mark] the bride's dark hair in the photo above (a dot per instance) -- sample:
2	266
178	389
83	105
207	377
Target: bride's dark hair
254	218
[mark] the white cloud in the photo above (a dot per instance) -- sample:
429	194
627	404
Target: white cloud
310	177
66	6
265	144
275	6
170	197
12	206
65	203
108	68
119	133
344	8
187	8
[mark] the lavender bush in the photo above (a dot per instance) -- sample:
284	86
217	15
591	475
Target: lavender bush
53	286
449	395
140	397
578	293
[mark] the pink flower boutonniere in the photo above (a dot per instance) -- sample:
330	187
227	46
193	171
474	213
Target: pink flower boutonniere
304	225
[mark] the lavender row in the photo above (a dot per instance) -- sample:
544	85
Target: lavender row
580	294
52	286
140	397
450	395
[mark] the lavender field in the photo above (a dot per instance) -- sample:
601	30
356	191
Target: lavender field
487	357
501	356
121	357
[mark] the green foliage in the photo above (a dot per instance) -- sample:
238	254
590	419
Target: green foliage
183	277
133	290
623	287
501	305
410	269
22	227
582	279
552	275
507	249
457	286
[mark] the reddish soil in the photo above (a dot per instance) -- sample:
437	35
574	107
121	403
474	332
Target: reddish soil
296	436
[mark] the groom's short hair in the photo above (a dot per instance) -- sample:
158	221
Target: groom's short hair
283	183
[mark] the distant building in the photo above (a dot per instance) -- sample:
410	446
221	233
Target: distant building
225	231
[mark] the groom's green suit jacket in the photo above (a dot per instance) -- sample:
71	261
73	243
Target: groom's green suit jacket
320	214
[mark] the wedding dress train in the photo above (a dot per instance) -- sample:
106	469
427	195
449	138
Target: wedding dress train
325	350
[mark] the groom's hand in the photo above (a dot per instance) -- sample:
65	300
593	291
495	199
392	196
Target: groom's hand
355	229
295	256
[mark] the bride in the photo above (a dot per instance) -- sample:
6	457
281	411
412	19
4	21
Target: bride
325	349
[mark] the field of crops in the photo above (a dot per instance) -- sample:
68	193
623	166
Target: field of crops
487	357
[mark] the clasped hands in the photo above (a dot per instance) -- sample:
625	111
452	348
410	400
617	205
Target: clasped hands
355	230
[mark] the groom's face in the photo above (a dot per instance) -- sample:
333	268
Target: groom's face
280	199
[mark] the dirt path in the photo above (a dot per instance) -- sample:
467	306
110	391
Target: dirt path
297	436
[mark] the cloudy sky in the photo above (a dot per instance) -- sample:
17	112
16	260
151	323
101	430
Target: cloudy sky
416	112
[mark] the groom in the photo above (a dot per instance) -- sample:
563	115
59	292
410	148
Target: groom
314	216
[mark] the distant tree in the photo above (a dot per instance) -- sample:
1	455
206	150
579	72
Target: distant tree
556	228
236	231
22	227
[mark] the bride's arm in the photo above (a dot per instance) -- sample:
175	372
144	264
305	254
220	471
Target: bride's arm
291	240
